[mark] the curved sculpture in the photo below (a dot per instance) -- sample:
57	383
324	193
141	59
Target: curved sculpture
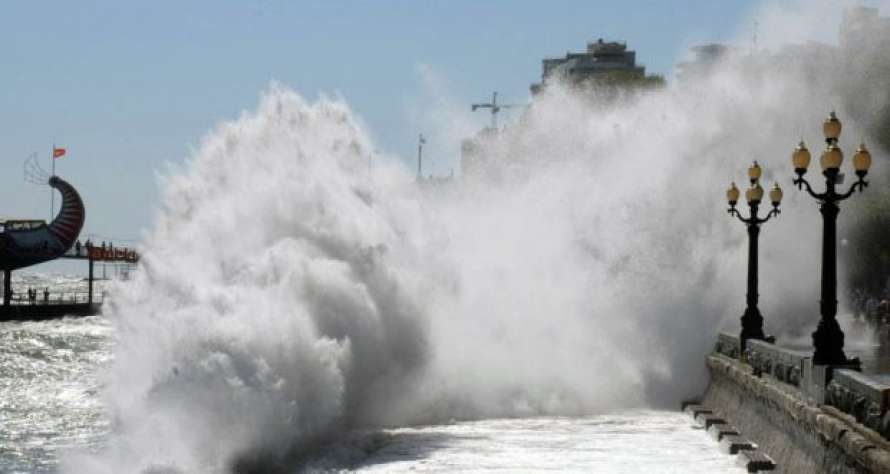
26	243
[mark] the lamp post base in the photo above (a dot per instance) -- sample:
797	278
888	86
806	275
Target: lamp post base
752	327
828	340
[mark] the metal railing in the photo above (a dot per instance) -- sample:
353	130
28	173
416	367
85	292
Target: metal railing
55	298
103	253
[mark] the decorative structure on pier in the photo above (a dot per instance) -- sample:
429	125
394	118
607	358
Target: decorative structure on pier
828	339
28	242
752	320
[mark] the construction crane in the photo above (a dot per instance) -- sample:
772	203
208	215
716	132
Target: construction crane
495	108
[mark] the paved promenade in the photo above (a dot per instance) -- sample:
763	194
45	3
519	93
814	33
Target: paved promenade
869	342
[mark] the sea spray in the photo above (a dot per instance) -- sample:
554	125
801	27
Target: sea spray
266	311
290	291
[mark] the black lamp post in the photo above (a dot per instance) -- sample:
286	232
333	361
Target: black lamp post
828	339
752	321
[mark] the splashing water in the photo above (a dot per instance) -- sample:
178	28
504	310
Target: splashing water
290	291
629	442
50	378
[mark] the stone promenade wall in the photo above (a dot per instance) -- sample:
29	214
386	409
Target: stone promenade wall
801	436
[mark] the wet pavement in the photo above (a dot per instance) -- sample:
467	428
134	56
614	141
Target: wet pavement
868	341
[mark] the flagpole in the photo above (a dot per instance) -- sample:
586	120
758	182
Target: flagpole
420	142
52	195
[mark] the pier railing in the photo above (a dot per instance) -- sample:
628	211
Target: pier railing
104	253
64	298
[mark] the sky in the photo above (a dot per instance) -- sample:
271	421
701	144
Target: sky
129	88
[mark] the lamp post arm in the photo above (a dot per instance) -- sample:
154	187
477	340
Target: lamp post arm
860	184
753	219
801	181
774	212
734	212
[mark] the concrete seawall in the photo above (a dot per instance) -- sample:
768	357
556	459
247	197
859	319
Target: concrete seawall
800	435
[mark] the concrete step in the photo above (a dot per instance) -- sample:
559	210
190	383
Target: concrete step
686	403
707	420
696	409
733	444
718	431
755	461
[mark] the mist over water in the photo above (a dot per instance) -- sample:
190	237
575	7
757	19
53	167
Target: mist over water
296	286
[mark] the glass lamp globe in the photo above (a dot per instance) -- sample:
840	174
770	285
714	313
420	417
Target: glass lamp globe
831	158
862	160
732	195
801	158
754	194
775	195
831	127
754	172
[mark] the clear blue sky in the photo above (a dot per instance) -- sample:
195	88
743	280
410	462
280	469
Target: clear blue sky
126	87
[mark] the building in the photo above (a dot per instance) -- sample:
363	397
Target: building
601	60
608	67
705	58
862	28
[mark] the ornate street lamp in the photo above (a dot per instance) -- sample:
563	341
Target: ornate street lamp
752	321
828	339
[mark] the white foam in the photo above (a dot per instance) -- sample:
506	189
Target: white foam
289	291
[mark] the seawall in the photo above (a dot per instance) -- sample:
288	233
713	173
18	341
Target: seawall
799	432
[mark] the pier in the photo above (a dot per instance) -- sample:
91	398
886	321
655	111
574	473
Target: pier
40	304
28	242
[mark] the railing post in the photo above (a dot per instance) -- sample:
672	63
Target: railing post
7	287
90	280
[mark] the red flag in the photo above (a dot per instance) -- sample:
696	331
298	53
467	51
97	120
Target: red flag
58	152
